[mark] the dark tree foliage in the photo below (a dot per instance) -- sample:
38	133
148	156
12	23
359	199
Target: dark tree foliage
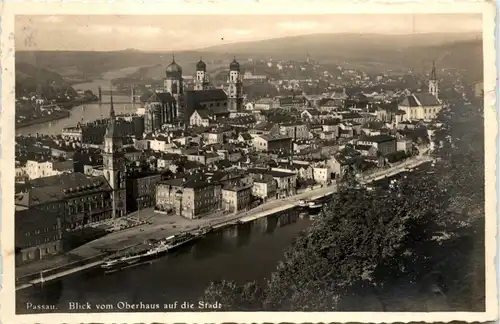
431	222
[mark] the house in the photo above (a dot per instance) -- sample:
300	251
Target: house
264	128
294	130
47	167
331	125
246	121
265	104
191	197
205	158
264	186
272	143
141	190
311	114
328	135
38	235
213	137
236	197
342	161
230	154
385	144
164	161
200	117
286	182
77	199
352	117
245	138
321	174
366	150
160	143
404	144
303	169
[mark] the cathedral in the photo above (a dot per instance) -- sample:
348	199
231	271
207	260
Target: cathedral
173	105
423	105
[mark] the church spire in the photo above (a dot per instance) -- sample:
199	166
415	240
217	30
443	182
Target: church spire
111	108
433	72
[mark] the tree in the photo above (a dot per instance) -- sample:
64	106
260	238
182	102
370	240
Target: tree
371	239
362	239
234	296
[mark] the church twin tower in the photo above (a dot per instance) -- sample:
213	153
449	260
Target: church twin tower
174	83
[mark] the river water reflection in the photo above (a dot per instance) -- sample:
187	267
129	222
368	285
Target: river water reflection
241	253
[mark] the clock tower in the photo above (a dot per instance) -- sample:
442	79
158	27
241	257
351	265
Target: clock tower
114	164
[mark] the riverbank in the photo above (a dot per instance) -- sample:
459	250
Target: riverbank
160	227
55	115
45	119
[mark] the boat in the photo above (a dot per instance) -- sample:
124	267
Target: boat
181	239
204	230
123	261
314	207
302	203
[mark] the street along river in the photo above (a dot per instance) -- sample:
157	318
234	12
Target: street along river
244	252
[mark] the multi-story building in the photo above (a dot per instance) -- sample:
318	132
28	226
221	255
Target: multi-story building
141	190
264	186
321	174
77	199
236	197
213	137
286	182
205	158
385	144
190	198
272	143
47	168
38	234
294	130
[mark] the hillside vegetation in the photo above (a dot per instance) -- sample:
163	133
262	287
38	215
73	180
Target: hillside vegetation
51	84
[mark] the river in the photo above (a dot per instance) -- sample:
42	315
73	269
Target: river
88	112
241	253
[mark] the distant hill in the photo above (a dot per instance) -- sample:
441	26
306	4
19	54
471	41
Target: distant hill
29	77
406	50
367	51
79	65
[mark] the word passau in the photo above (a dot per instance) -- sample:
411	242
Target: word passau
73	306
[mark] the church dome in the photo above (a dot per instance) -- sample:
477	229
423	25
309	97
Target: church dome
201	66
173	68
234	65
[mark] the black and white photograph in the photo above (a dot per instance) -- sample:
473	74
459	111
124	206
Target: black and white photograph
246	162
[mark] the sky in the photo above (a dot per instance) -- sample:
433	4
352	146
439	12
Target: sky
178	32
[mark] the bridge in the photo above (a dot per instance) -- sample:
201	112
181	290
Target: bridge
118	102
